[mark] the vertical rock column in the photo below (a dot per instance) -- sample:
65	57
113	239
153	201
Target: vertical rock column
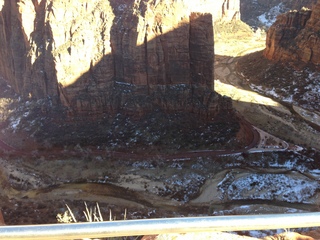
14	41
201	50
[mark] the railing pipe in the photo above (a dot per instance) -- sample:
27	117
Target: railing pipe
160	226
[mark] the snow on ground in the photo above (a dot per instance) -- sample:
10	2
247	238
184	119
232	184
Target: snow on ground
289	164
293	188
261	89
184	186
14	123
268	18
303	90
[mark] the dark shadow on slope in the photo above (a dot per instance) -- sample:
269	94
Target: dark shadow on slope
11	28
42	39
16	63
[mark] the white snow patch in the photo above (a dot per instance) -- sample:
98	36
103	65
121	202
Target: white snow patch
288	164
124	83
26	114
272	187
268	18
14	123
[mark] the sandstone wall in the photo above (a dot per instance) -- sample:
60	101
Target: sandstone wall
295	37
97	56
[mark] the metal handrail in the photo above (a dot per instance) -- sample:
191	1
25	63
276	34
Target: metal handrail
160	226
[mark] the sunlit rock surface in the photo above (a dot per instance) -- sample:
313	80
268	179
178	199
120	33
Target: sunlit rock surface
106	56
294	37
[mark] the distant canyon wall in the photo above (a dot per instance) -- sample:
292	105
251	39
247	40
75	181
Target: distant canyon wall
252	9
105	55
295	37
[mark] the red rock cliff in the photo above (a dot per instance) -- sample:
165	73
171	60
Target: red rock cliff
105	56
295	37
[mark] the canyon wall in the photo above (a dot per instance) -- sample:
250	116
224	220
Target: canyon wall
295	37
104	56
251	10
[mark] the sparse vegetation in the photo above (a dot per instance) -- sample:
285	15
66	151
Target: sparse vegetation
91	215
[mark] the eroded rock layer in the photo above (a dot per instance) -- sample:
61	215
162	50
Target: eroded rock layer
107	56
295	37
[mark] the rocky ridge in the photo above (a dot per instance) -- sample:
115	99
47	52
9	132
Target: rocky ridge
294	37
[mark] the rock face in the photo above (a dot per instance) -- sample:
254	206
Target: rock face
107	56
295	37
230	10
